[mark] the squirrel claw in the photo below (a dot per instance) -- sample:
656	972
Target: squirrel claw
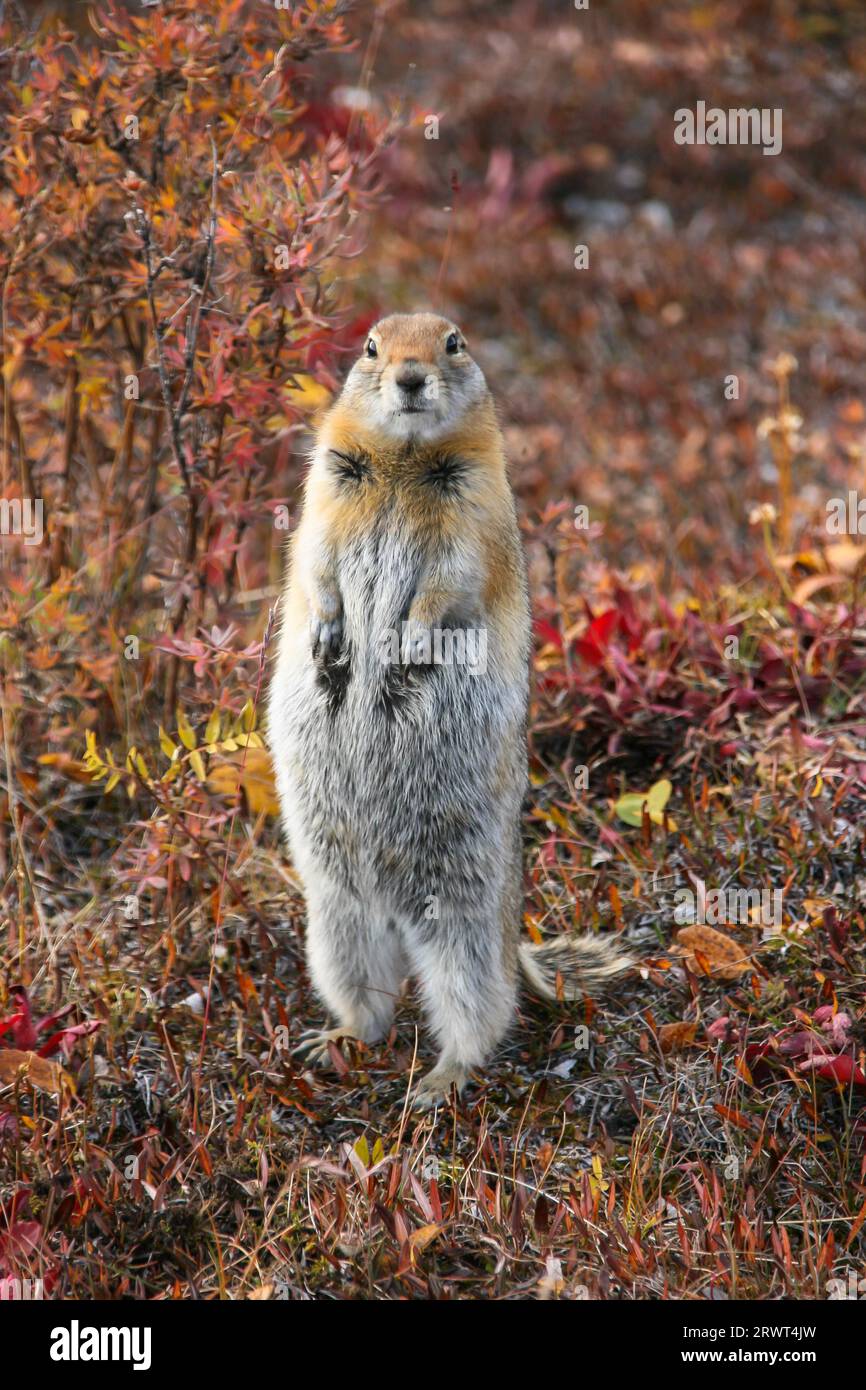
327	635
315	1043
435	1088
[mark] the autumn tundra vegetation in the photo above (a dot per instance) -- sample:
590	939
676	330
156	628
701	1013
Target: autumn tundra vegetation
202	211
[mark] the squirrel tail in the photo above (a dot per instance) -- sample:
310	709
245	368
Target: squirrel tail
583	964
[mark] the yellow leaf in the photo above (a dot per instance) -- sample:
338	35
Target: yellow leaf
196	762
555	816
657	799
168	746
420	1239
596	1181
222	778
362	1149
93	389
629	807
308	393
185	731
211	733
257	780
258	783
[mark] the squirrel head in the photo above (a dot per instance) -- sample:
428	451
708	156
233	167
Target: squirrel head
414	379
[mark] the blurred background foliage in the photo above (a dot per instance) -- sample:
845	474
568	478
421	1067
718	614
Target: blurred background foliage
699	632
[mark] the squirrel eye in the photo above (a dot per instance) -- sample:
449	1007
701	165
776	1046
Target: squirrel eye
452	343
372	350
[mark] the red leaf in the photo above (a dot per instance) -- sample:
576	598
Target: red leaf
592	645
549	633
17	1244
836	930
66	1038
843	1070
754	1057
47	1019
723	1030
20	1024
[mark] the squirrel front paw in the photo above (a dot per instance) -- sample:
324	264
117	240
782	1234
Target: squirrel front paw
326	635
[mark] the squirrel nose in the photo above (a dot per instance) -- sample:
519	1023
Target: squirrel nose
411	377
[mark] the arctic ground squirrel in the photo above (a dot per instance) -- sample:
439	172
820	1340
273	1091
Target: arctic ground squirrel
397	710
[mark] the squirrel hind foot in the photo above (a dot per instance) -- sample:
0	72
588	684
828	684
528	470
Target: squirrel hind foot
436	1087
315	1044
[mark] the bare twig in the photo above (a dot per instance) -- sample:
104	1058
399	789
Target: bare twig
177	409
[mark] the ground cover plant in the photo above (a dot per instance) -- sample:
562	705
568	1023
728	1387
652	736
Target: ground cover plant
201	211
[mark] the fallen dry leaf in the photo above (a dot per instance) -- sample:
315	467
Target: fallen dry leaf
420	1239
44	1075
674	1036
719	955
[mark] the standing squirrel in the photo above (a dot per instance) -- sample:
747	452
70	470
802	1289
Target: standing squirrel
397	710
